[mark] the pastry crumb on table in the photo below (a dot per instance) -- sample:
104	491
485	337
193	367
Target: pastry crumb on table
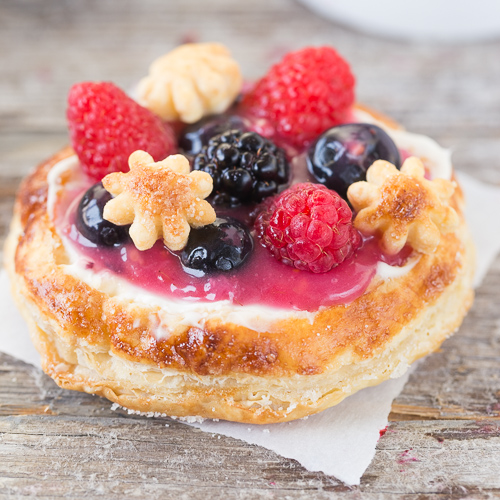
445	426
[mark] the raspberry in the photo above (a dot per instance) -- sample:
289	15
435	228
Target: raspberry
306	93
107	126
309	227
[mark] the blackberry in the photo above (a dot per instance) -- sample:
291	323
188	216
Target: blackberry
218	247
245	167
90	223
343	154
195	136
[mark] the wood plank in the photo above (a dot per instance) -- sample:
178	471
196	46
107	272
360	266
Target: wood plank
112	453
462	380
445	92
448	459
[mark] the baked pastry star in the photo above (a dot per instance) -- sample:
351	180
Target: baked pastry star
191	81
162	199
403	206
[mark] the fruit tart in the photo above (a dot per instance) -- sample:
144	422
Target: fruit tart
254	253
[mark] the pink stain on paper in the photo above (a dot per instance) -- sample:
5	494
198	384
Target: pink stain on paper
405	457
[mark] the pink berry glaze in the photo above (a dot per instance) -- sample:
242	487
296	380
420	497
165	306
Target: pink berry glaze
261	280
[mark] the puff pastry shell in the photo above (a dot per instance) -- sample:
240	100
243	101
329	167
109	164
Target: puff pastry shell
93	342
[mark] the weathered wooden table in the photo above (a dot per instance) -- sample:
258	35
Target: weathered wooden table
444	436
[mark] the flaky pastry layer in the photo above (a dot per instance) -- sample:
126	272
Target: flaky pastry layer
99	344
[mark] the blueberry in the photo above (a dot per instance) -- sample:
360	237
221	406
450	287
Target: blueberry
218	247
90	223
197	135
342	155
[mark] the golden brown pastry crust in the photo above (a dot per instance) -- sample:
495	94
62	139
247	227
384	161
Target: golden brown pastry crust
95	343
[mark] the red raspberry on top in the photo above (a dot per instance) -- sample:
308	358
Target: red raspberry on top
107	126
306	93
309	227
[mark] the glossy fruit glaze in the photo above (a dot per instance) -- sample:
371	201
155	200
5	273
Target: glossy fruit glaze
261	280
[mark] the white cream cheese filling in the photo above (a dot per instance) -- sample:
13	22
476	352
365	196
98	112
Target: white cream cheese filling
175	312
256	317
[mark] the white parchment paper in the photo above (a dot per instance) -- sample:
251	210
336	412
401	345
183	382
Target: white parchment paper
340	441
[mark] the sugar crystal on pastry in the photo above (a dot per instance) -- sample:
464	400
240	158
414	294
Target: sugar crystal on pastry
161	199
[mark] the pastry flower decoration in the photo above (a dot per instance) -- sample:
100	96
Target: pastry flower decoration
192	81
162	199
403	206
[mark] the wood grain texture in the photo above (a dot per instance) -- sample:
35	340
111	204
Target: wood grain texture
444	440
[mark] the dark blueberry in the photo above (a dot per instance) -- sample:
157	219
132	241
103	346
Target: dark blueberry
197	135
248	167
90	223
218	247
343	154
